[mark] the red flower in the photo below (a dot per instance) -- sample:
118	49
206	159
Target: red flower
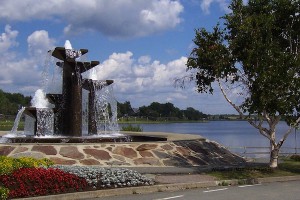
26	182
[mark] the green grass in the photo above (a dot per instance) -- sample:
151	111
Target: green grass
287	168
8	124
132	128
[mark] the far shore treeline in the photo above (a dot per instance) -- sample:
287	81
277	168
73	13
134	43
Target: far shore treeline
10	103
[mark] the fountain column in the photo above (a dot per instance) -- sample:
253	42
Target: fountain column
92	86
71	110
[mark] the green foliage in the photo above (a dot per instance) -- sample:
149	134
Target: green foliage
255	54
4	193
132	128
224	183
124	109
295	158
8	164
257	48
167	111
287	167
10	102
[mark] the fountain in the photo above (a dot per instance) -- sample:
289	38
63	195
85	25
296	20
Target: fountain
78	126
59	117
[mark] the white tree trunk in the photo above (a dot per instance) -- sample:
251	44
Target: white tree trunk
269	133
274	158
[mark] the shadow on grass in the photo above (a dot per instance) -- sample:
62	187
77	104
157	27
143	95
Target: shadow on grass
287	168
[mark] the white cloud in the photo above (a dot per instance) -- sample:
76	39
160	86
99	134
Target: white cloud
39	43
143	81
205	5
119	18
22	73
8	39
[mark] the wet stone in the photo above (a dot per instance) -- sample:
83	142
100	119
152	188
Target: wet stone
98	154
71	152
6	150
48	150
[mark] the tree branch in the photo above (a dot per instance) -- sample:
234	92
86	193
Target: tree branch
263	131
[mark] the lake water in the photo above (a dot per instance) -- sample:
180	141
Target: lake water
230	134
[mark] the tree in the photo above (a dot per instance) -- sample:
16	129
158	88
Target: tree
253	50
124	109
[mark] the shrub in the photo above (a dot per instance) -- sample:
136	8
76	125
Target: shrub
295	157
8	164
3	193
27	182
132	128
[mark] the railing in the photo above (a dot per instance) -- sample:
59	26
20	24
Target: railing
248	151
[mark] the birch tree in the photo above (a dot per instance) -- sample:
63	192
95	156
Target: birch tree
255	49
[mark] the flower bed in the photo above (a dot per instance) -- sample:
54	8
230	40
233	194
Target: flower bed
28	182
26	177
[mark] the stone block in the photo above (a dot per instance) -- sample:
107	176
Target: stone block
6	150
71	152
125	151
48	150
98	154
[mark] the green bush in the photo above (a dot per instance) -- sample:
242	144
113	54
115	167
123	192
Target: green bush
4	193
295	157
132	128
8	164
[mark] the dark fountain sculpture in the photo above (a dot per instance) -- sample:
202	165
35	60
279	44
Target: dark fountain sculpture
68	105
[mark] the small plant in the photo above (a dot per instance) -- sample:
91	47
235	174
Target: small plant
132	128
8	164
4	193
241	182
223	183
295	157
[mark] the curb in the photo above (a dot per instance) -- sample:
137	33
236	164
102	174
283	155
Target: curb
158	188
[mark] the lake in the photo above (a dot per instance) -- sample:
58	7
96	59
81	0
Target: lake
229	133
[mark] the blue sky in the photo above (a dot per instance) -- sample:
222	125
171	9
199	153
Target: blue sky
141	44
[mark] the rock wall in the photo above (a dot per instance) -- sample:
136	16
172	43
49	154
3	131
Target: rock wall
182	153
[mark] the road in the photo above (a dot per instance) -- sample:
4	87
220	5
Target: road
267	191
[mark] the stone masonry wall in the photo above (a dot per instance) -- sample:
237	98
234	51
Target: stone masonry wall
183	153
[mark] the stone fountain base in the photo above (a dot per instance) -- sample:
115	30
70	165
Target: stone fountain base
85	139
179	150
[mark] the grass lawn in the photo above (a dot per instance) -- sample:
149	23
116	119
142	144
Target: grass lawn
8	124
288	167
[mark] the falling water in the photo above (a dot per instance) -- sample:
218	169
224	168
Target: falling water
106	109
85	112
17	121
105	104
29	125
45	121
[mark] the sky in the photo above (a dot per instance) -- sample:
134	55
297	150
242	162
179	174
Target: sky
142	45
